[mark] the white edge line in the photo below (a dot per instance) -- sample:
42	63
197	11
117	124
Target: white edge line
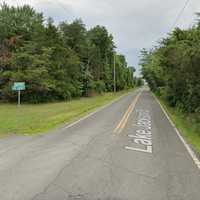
96	111
190	151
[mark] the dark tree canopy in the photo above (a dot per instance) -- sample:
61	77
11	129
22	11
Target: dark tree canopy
172	69
56	62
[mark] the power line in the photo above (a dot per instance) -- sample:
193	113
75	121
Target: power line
180	13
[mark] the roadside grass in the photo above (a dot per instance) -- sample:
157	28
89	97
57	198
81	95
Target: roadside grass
36	119
188	127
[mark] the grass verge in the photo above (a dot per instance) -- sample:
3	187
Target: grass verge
188	127
36	119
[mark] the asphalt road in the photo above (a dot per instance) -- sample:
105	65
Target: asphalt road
126	151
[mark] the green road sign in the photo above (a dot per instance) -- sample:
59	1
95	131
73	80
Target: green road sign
18	86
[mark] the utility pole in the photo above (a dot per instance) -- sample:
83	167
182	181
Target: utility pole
114	73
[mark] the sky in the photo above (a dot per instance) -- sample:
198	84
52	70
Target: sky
134	24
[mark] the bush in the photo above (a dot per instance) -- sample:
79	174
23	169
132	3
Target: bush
99	87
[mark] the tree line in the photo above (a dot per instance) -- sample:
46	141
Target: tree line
172	69
57	62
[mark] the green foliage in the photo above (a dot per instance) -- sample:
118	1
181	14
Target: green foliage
56	62
172	69
40	118
139	82
100	87
188	124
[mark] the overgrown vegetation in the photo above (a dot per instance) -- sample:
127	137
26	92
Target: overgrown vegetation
56	62
172	70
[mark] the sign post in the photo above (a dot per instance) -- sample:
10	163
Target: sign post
18	86
19	97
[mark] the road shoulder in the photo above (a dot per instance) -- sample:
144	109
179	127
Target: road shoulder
194	155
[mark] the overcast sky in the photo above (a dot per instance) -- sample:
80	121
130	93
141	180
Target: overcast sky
134	24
